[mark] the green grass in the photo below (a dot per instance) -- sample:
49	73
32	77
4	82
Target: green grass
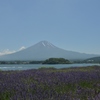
82	69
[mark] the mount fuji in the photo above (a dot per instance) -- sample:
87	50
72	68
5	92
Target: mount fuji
44	50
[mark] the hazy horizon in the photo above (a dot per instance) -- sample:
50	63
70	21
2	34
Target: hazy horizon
69	24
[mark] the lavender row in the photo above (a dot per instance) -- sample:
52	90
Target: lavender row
50	84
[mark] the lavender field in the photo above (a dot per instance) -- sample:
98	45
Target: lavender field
51	84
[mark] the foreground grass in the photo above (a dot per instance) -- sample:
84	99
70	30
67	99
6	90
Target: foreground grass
51	84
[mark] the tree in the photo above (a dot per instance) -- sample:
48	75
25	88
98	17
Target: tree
56	61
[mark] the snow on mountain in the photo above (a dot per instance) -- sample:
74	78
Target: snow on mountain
46	44
44	50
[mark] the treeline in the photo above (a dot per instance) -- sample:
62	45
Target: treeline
48	61
87	61
56	61
21	62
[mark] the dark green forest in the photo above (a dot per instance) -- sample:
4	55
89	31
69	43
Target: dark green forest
56	61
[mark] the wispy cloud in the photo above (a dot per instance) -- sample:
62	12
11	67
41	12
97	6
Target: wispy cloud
7	51
22	48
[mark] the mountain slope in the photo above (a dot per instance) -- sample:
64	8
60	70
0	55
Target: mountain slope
44	50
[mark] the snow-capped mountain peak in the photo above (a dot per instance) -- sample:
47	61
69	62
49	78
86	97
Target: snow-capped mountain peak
46	44
42	51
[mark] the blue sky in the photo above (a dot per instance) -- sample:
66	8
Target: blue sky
70	24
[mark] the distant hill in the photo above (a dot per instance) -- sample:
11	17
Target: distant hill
93	60
44	50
